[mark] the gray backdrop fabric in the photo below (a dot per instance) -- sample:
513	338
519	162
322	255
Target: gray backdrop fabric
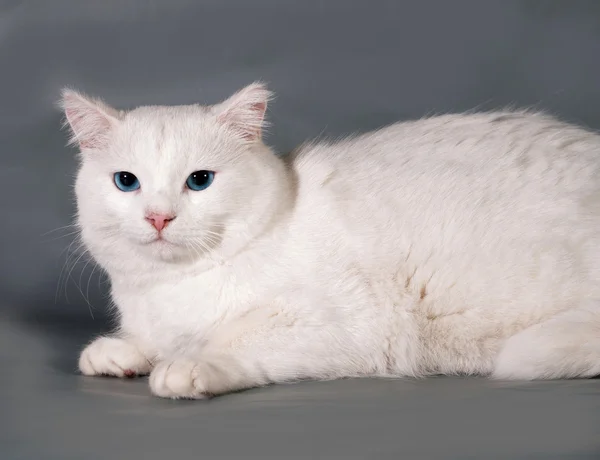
337	67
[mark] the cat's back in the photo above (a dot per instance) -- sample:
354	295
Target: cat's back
482	143
467	160
506	195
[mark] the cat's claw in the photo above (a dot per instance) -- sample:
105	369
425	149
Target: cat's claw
113	356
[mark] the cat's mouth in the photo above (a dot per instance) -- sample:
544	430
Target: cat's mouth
158	241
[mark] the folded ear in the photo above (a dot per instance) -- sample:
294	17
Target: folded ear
90	120
244	112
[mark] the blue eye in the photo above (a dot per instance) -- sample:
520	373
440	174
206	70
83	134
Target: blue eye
200	180
126	182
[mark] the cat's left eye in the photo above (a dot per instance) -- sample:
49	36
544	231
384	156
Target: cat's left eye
200	180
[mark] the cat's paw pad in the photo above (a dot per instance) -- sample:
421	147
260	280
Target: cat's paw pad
112	356
177	379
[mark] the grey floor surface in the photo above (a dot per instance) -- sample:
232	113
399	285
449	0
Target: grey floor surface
49	412
337	66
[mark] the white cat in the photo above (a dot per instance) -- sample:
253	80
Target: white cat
459	244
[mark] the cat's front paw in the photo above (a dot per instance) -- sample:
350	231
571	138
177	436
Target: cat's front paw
198	379
178	379
113	356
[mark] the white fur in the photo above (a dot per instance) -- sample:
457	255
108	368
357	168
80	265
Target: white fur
459	244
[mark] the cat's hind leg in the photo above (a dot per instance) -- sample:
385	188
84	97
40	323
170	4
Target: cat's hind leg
564	346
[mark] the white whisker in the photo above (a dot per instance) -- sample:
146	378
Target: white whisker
64	227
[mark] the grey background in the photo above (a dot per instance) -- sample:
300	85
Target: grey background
337	66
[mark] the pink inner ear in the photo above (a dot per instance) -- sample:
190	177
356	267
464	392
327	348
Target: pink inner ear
254	130
244	112
259	107
246	120
88	125
75	118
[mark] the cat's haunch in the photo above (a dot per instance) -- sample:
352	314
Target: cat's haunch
457	244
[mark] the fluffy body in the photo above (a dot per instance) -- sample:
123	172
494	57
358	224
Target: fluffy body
458	244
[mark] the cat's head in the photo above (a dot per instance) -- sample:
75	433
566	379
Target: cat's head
173	184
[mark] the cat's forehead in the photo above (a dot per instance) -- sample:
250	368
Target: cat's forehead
165	121
169	134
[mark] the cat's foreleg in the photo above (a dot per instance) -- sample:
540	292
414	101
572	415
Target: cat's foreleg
258	349
114	356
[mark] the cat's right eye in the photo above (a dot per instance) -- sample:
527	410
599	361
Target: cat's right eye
126	182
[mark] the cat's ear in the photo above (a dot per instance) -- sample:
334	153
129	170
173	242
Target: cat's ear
90	120
244	112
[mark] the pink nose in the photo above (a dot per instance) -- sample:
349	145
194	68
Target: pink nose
159	221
